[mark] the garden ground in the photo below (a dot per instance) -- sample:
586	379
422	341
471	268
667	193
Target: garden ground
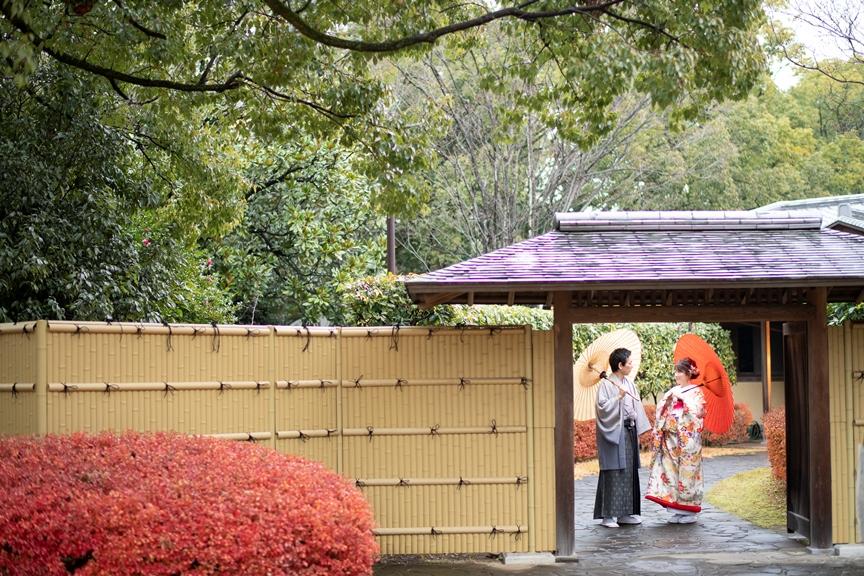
719	544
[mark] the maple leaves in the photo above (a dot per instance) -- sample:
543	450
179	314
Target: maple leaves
160	504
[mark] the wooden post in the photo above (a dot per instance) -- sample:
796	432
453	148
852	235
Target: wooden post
565	515
391	244
766	366
820	424
273	375
41	377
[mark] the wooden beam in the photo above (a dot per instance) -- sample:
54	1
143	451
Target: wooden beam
692	314
820	423
470	298
766	365
435	300
511	297
548	303
565	498
669	297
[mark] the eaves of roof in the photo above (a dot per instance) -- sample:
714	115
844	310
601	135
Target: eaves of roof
613	251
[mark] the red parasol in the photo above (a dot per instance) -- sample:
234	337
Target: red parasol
719	404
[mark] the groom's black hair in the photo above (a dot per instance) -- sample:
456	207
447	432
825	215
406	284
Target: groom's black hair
619	356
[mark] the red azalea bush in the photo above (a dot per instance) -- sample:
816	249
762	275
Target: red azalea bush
646	439
736	434
584	440
164	504
774	429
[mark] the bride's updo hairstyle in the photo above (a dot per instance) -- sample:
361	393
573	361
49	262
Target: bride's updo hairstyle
688	367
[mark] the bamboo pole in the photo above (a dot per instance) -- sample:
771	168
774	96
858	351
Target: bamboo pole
433	431
56	326
291	384
340	444
109	387
250	436
304	434
529	419
435	531
311	331
17	387
41	378
506	480
461	382
428	332
273	372
24	327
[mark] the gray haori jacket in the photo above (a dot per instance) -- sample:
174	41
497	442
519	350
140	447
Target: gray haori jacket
611	413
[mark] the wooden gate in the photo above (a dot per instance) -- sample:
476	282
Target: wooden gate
797	429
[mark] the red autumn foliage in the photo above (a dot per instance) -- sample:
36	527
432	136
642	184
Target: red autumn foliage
646	440
736	434
584	440
162	504
774	429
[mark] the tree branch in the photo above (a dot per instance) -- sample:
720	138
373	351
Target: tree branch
232	82
137	25
647	25
293	18
815	67
273	93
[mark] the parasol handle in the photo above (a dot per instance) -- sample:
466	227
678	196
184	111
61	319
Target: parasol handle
603	377
702	384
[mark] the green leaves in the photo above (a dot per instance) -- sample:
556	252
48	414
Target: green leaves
80	232
383	301
308	228
316	71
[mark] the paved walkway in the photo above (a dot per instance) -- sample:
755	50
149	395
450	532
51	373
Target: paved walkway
719	544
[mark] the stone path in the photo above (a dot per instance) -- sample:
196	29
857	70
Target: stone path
719	544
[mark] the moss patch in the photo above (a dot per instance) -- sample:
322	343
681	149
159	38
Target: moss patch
754	496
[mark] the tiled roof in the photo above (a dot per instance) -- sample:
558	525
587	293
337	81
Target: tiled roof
836	211
613	250
825	206
672	220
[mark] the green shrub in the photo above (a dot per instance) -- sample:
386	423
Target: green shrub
383	301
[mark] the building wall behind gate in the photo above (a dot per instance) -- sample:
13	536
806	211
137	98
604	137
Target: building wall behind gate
448	432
